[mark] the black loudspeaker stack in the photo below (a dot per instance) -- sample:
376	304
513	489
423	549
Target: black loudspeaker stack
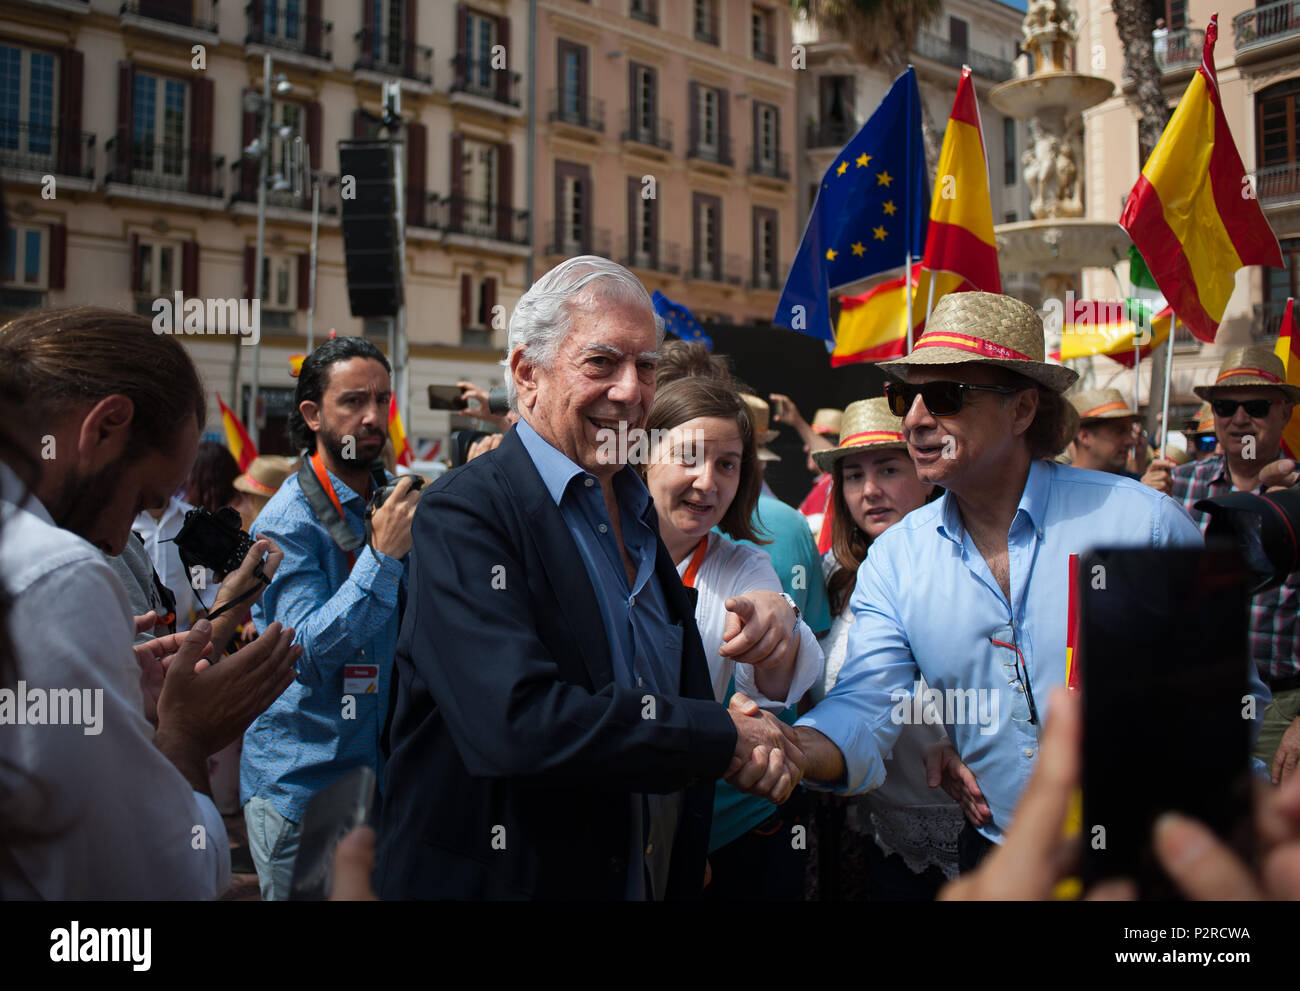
370	227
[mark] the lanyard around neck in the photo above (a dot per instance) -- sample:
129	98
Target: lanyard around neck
328	486
697	559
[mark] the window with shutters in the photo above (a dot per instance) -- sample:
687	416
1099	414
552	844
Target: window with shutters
479	184
959	35
1280	284
480	36
645	103
1277	148
28	107
159	114
573	85
765	247
279	276
282	19
707	116
765	140
706	21
643	214
572	215
708	238
762	36
27	256
288	133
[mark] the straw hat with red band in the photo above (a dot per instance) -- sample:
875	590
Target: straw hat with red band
266	474
867	424
760	415
1250	365
988	329
827	422
1101	404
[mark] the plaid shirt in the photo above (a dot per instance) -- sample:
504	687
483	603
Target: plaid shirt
1275	614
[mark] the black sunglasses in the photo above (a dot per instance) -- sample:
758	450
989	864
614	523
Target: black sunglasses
941	398
1255	408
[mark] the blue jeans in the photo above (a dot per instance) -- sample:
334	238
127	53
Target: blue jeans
273	842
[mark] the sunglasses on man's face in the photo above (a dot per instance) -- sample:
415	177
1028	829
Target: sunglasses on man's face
941	398
1255	408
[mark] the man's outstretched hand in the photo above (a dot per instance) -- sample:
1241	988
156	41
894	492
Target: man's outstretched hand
767	761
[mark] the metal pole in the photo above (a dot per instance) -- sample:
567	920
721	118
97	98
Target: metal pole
1169	370
315	230
907	288
259	278
397	342
530	137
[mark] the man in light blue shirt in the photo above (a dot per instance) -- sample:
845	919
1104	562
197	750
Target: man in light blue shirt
972	591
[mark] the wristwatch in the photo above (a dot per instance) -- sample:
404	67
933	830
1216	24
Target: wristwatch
795	606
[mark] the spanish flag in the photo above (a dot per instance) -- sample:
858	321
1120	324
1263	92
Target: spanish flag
1288	349
1193	213
960	250
237	439
396	434
873	325
1114	333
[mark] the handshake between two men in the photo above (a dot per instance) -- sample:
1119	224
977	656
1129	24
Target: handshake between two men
768	761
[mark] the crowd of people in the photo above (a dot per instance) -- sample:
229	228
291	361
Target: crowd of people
601	660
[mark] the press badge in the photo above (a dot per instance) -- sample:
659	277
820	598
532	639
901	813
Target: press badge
360	679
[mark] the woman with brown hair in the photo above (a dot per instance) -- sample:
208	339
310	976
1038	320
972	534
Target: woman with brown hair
703	472
914	826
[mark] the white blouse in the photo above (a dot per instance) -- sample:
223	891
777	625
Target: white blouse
731	569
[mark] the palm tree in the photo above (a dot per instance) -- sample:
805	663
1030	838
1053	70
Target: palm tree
879	32
1135	20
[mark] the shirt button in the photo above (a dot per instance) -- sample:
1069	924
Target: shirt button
589	481
1028	752
603	528
631	600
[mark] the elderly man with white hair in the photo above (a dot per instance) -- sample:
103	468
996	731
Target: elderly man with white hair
555	732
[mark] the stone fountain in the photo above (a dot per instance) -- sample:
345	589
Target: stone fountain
1059	240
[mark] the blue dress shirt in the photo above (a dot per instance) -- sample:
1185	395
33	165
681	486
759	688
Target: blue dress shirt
645	646
307	739
926	603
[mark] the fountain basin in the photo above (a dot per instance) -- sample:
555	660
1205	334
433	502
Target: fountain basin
1060	244
1072	92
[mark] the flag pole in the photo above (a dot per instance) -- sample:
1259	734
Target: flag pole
929	306
1169	369
907	289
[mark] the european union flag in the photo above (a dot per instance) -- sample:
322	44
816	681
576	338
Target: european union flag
871	211
679	321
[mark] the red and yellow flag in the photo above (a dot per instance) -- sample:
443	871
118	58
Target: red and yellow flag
1193	213
960	250
396	434
1113	335
237	439
873	325
1288	349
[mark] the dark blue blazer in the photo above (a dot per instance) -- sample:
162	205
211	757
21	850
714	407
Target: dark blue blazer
513	750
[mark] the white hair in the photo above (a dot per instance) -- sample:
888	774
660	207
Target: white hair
543	316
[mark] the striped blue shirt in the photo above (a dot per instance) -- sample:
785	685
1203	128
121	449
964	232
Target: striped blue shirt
320	728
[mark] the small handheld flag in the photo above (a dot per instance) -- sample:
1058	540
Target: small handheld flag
237	439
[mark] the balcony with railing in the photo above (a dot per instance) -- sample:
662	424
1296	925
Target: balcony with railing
772	164
717	152
939	49
180	18
654	132
281	194
423	209
1277	185
658	256
272	24
831	133
1266	31
568	108
165	168
477	78
47	149
1266	320
645	11
728	270
392	56
482	218
565	241
765	46
1182	50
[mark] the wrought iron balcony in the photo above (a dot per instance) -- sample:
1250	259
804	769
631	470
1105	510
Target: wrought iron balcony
46	148
727	270
646	11
271	24
775	165
940	49
659	256
166	167
656	131
246	192
719	152
1182	50
566	108
831	133
477	78
198	14
1267	24
386	54
563	240
482	218
765	47
1267	320
1278	184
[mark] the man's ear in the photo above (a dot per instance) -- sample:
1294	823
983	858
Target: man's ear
105	431
1024	409
310	413
525	377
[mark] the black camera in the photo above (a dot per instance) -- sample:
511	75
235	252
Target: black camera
214	540
1264	527
382	492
